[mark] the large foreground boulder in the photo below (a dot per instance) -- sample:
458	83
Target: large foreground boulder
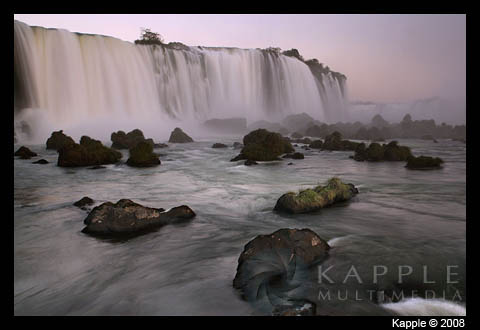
423	163
120	140
262	145
89	152
269	262
385	152
179	136
127	217
142	155
309	200
58	140
24	153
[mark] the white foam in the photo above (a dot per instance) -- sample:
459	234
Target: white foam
426	307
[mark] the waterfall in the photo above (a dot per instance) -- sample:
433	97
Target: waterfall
71	77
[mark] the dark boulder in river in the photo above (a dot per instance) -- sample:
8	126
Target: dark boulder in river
296	155
40	161
423	163
179	136
385	152
127	217
219	145
262	145
84	201
142	155
88	152
309	200
24	153
120	140
58	140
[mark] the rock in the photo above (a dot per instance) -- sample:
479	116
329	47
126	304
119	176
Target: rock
178	136
268	261
41	161
423	163
386	152
249	162
237	145
160	145
142	156
334	142
127	217
304	141
96	167
228	125
309	200
219	145
317	144
262	145
88	152
58	140
290	164
296	155
24	153
84	201
378	121
120	140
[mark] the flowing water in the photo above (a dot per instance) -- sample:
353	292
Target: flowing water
188	268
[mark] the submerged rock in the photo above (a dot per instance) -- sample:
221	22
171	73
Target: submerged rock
179	136
219	145
309	200
127	217
24	153
268	262
423	163
120	140
142	156
88	152
84	201
262	145
58	140
41	161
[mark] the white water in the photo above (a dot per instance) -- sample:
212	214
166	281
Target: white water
74	80
426	307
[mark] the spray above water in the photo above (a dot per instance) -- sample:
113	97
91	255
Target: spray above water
79	80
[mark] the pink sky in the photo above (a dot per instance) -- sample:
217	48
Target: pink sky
386	58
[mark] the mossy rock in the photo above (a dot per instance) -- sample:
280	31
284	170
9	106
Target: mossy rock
57	140
179	136
317	144
423	163
310	200
334	142
262	145
386	152
89	152
122	140
142	156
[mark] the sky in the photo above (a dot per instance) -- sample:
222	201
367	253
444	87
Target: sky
386	58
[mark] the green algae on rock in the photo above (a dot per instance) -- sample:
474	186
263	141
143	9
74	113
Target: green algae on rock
142	155
309	200
423	163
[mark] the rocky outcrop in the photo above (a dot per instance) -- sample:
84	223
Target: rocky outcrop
24	153
309	200
120	140
128	217
385	152
219	145
58	140
89	152
317	144
179	136
423	163
334	142
262	145
142	155
296	155
268	261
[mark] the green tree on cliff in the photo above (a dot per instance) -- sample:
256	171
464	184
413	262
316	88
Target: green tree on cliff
148	37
